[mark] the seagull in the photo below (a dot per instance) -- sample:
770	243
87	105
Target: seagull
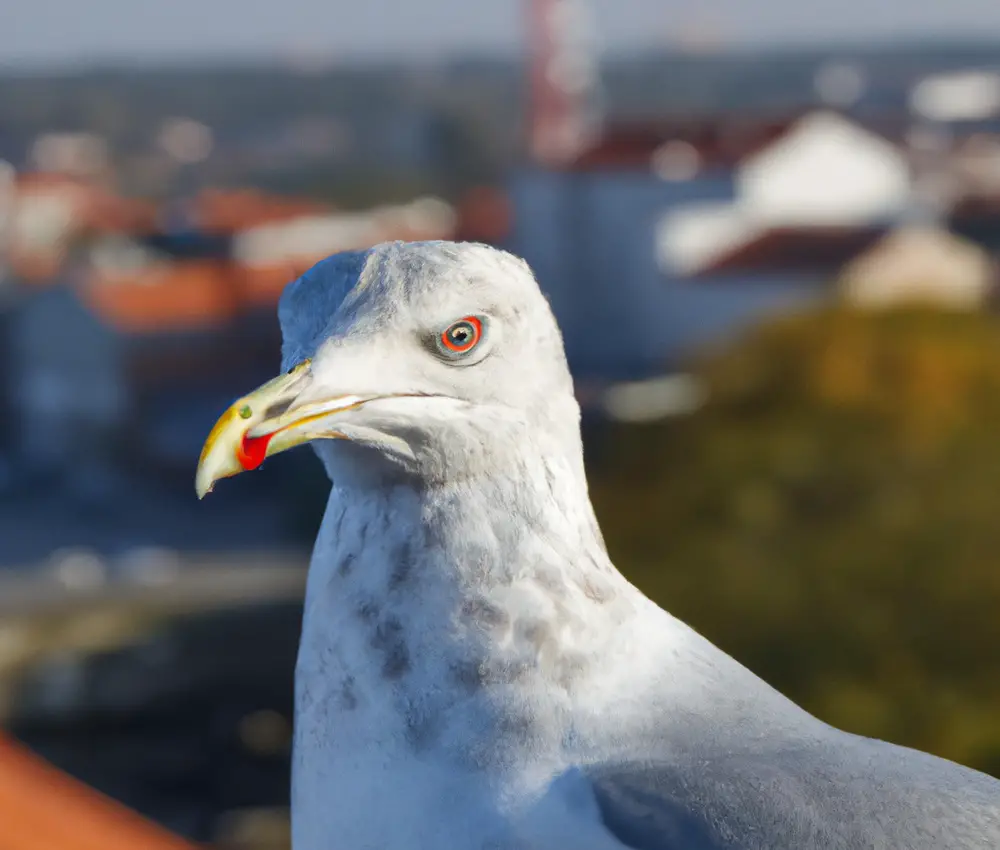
473	671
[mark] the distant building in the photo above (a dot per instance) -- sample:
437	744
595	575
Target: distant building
113	372
957	96
590	236
564	112
65	379
81	155
825	173
660	241
7	198
921	265
51	213
826	170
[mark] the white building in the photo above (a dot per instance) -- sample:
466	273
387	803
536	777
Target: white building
825	172
920	265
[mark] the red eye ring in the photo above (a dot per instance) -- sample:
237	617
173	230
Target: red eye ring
462	336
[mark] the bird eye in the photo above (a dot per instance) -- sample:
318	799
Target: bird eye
461	337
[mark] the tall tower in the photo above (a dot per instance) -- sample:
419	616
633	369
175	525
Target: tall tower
564	112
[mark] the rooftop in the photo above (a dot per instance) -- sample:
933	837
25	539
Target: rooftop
44	809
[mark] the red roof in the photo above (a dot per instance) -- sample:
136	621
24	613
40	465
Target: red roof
720	143
798	249
231	210
261	286
184	295
192	294
42	808
96	207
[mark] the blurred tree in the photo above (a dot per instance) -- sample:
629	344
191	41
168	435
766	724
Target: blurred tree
830	518
346	189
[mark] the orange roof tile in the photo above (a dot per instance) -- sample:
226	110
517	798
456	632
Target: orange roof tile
192	294
106	212
230	210
42	808
44	180
178	296
261	286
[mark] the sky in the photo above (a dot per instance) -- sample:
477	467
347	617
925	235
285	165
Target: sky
56	32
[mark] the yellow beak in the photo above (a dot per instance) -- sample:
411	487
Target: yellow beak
263	424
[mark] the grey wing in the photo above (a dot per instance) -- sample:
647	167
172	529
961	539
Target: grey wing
846	793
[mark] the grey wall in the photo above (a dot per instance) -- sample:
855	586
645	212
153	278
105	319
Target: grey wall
591	240
65	378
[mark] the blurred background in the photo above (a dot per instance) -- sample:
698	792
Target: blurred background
769	231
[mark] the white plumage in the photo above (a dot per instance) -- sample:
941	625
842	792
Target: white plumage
474	672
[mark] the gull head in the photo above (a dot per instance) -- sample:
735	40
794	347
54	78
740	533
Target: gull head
427	359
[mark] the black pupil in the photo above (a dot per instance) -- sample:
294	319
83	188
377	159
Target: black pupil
461	334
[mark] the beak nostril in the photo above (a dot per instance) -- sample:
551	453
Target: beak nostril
278	408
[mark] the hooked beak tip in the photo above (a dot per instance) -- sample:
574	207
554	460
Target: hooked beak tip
222	456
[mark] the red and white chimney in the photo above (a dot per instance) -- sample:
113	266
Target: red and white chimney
563	117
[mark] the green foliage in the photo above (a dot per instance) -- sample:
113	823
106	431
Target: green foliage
831	518
354	189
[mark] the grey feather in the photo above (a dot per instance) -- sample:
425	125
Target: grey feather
839	791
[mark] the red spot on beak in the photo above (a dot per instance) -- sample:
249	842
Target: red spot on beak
252	451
